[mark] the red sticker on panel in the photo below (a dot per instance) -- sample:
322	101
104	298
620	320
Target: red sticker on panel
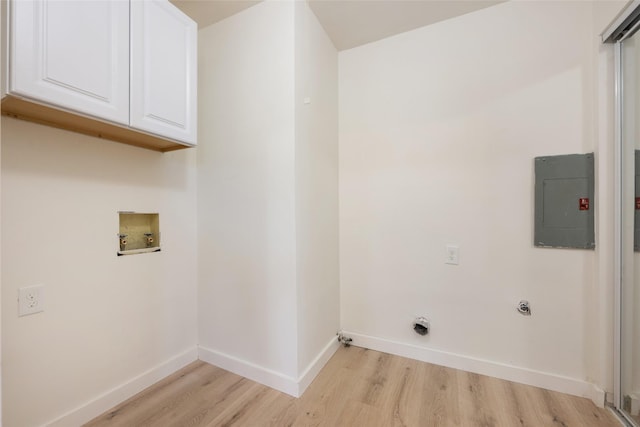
584	204
638	203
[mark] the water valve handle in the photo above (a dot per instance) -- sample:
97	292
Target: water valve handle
523	308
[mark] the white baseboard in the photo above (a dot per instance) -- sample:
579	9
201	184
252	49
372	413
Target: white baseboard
635	404
316	366
276	380
484	367
597	395
296	387
111	398
268	377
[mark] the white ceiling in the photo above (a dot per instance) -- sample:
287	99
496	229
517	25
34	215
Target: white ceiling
353	23
207	12
350	23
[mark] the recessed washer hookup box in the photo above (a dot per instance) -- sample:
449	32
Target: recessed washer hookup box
138	233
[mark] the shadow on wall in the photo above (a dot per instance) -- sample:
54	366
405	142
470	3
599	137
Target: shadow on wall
33	149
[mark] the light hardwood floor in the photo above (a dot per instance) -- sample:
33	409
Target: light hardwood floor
358	387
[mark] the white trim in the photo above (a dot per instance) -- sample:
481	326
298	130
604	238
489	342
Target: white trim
620	19
268	377
140	251
597	395
503	371
314	368
276	380
113	397
617	206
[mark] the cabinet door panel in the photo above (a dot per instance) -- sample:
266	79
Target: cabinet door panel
73	54
163	70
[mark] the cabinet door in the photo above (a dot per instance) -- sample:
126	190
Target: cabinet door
163	70
72	54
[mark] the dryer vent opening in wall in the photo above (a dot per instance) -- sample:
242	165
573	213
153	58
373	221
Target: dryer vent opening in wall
421	326
138	233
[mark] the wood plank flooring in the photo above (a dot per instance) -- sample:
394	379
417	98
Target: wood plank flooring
358	387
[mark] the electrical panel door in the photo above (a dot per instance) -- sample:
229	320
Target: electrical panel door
564	201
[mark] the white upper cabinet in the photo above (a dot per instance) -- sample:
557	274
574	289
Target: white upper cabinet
74	54
116	69
163	70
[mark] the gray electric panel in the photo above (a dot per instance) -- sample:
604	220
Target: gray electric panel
564	201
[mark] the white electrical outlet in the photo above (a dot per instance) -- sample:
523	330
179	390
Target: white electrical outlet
452	255
30	300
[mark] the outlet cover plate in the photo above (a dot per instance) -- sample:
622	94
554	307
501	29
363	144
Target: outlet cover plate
452	255
30	300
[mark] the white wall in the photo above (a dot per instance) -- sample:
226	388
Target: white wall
438	131
111	324
316	166
246	190
268	195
